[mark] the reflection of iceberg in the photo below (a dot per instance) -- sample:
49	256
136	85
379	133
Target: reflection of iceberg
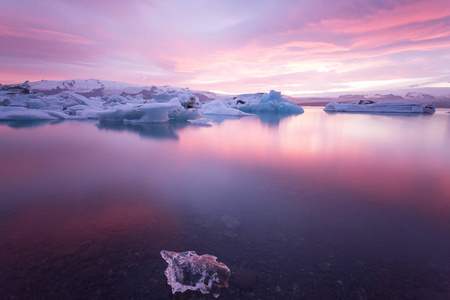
152	130
188	271
221	118
273	119
26	124
380	107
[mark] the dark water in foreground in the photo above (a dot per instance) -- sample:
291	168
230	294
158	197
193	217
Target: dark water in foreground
318	206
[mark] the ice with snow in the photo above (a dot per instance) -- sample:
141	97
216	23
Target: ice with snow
17	102
116	102
189	271
368	106
217	107
271	102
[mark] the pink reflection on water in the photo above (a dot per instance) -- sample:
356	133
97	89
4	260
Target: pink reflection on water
400	161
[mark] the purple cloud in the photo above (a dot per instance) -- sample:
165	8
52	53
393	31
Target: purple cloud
232	46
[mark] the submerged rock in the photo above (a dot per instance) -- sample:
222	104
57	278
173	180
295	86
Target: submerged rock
230	222
189	271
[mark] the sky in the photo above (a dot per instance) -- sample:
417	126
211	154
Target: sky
294	46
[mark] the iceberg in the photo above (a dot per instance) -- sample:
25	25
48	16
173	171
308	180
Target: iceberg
150	113
368	106
216	107
189	271
180	113
146	113
271	102
19	102
184	97
24	114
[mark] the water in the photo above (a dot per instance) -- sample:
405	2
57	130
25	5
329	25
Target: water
318	206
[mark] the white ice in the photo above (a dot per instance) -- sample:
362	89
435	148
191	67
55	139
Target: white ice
189	271
271	102
380	107
217	107
116	108
17	103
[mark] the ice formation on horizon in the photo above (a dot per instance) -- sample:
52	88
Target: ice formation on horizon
18	102
189	271
369	106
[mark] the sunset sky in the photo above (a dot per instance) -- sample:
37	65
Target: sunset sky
294	46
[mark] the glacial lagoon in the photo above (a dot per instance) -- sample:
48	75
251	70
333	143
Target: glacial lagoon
315	206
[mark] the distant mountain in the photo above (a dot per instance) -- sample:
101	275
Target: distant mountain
99	88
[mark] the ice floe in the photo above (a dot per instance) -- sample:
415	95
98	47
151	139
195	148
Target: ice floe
18	102
368	106
217	107
271	102
189	271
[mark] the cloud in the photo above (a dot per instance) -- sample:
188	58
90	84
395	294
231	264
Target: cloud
44	35
230	45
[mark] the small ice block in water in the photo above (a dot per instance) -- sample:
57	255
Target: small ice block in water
189	271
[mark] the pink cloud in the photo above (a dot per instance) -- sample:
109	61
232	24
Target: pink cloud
45	35
223	45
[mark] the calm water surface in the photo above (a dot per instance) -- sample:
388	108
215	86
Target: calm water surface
317	206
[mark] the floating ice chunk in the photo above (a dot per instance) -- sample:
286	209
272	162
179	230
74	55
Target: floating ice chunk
23	114
183	97
70	102
216	107
62	116
73	109
164	97
55	107
146	113
271	102
380	107
83	100
180	113
117	99
36	104
273	107
188	271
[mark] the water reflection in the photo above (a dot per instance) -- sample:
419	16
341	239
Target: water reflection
219	119
27	124
337	206
148	130
274	119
